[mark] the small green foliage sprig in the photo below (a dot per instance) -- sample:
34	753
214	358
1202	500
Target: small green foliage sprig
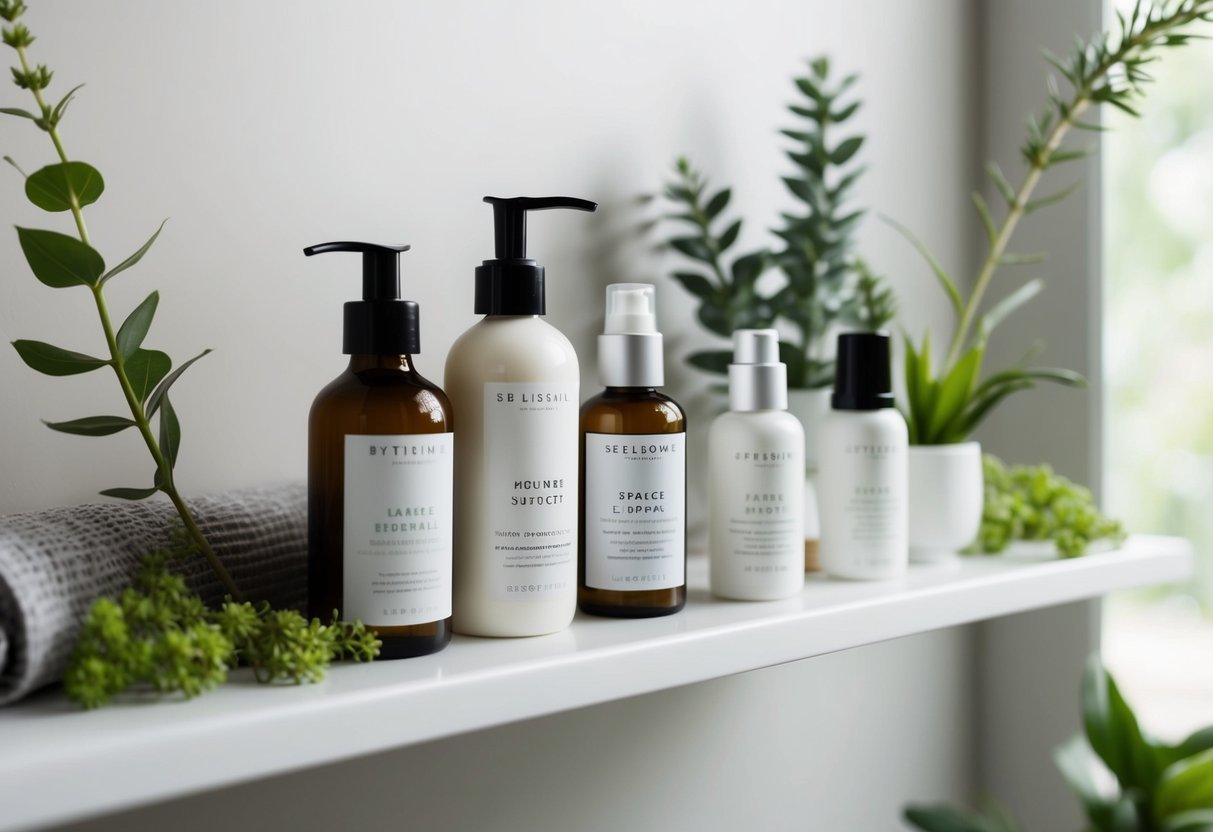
945	403
161	638
62	261
1033	502
824	284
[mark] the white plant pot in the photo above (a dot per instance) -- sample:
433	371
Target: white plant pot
810	407
946	494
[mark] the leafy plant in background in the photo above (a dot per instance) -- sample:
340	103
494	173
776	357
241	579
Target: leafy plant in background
824	283
1157	787
1032	502
192	644
945	403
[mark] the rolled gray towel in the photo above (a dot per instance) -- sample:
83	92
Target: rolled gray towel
55	563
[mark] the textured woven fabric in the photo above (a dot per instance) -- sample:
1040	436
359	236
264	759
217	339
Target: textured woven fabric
54	564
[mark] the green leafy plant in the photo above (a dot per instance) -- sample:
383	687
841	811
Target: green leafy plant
157	635
1157	787
1032	502
824	284
160	637
945	403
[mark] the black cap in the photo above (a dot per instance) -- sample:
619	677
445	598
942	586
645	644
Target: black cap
381	323
862	380
511	284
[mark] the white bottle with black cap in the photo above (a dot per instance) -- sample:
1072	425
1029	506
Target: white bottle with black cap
756	463
863	466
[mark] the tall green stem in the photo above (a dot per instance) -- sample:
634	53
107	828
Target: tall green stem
118	363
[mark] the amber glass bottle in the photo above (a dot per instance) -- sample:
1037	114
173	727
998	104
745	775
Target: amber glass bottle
632	530
380	476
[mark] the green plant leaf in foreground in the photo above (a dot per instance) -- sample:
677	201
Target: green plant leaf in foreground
92	425
129	493
170	432
134	258
60	261
56	361
153	401
1185	786
52	187
1113	732
134	328
145	369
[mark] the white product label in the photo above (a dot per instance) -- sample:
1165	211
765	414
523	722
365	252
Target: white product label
635	510
763	514
530	440
399	492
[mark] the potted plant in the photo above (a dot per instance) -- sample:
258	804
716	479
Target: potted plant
824	285
946	399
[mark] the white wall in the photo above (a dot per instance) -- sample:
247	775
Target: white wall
264	127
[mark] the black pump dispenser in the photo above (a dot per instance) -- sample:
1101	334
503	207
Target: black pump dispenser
862	379
512	284
381	323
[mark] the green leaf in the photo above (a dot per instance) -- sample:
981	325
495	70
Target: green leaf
730	235
1000	182
845	150
54	361
748	268
987	221
715	319
58	260
942	818
129	493
696	284
14	111
1009	304
134	328
145	369
955	392
1037	204
1185	786
170	432
1074	760
1197	742
134	258
51	188
61	107
161	391
1113	732
980	406
92	425
1200	820
944	280
712	361
717	203
693	247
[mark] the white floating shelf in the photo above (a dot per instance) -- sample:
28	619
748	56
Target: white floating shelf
58	764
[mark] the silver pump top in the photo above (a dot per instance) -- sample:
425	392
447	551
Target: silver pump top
630	347
758	380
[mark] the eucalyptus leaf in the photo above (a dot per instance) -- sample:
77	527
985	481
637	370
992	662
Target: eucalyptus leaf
92	425
748	268
134	328
692	247
60	261
730	236
53	187
56	361
129	493
161	390
170	432
717	204
847	149
146	369
134	258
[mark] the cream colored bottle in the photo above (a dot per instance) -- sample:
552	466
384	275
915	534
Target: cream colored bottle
513	379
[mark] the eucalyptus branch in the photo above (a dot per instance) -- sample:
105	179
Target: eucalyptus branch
60	261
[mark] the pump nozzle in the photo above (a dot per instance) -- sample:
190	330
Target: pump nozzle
509	219
512	284
381	323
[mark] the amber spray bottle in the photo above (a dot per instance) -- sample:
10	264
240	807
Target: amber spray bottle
632	553
381	474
